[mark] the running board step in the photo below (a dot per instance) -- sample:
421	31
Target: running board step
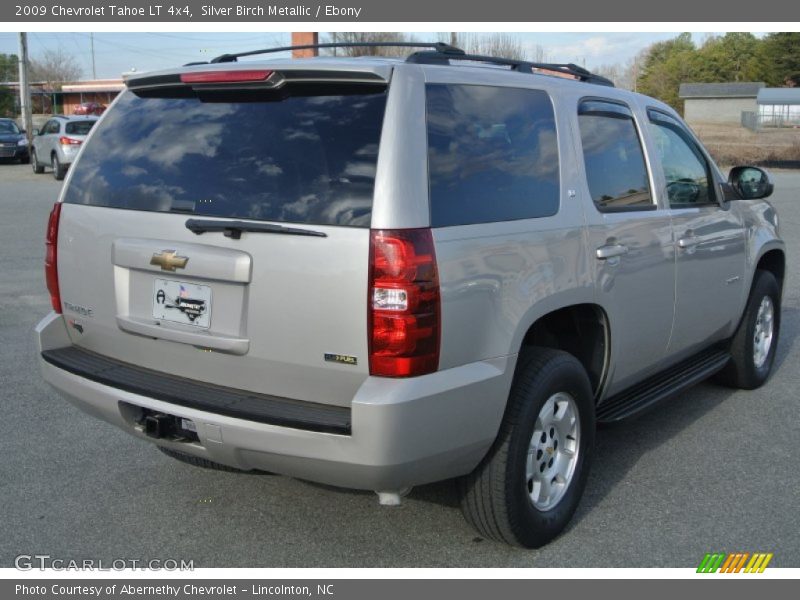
662	385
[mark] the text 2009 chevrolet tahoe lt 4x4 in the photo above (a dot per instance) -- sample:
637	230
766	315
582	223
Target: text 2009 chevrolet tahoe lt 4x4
377	273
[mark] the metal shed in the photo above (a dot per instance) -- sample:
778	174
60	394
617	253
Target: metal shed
718	102
778	107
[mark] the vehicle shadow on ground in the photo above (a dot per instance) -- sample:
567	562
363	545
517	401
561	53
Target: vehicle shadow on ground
618	447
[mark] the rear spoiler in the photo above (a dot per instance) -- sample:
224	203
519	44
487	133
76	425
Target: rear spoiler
251	78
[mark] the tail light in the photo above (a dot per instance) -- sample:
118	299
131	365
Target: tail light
404	303
51	258
68	141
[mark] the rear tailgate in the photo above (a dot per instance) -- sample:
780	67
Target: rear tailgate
280	310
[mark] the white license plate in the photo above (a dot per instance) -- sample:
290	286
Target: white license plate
181	302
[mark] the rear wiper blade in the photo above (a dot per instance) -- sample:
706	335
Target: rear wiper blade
234	229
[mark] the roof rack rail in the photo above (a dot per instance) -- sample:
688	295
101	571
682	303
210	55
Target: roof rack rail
523	66
439	48
438	53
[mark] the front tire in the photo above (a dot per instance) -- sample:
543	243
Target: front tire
527	488
37	167
753	345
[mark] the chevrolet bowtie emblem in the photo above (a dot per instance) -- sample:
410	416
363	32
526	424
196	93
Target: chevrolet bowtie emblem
168	260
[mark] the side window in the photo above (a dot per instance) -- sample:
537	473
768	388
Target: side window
53	127
615	167
687	172
46	128
492	154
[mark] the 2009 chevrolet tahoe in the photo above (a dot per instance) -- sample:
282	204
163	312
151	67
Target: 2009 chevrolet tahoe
379	273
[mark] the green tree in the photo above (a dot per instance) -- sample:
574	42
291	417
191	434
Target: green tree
666	65
778	58
731	57
7	102
9	67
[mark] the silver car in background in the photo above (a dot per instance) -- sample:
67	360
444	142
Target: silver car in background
57	143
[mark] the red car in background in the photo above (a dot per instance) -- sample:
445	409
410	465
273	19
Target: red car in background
89	108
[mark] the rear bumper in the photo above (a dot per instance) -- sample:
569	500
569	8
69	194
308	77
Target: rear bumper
404	432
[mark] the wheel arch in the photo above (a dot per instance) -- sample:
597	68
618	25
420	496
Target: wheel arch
581	330
772	259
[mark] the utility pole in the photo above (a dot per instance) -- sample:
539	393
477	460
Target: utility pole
94	71
24	90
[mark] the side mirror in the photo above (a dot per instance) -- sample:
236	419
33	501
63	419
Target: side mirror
22	131
751	183
35	132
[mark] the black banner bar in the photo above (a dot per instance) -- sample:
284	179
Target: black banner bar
418	11
731	588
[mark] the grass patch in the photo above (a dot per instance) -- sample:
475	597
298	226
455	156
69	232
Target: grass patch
735	145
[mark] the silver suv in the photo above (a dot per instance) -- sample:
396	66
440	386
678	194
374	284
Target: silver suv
57	144
378	273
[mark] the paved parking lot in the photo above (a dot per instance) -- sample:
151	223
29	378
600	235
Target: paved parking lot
713	470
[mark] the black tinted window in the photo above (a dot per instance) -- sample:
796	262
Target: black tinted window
79	127
615	167
492	154
685	168
301	159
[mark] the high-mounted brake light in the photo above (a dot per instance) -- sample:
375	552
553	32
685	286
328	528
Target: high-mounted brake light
68	141
51	258
250	75
404	303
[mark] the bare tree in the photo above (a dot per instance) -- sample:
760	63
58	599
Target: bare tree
502	45
540	54
54	67
357	37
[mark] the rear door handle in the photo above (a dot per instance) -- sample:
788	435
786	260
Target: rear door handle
610	251
689	241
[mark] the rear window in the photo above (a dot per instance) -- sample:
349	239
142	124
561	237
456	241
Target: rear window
299	159
79	127
492	154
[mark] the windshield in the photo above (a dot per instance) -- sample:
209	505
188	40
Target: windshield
9	127
301	159
79	127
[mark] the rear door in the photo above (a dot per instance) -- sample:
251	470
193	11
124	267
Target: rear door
221	233
44	142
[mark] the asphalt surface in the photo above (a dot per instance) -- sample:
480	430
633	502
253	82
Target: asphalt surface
712	470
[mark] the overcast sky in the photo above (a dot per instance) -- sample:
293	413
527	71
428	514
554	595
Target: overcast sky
116	53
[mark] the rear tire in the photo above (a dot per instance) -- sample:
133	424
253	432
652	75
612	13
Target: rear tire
527	488
59	171
35	165
203	463
754	343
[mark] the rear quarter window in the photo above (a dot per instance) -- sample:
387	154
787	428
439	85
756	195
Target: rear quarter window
79	127
492	154
300	159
